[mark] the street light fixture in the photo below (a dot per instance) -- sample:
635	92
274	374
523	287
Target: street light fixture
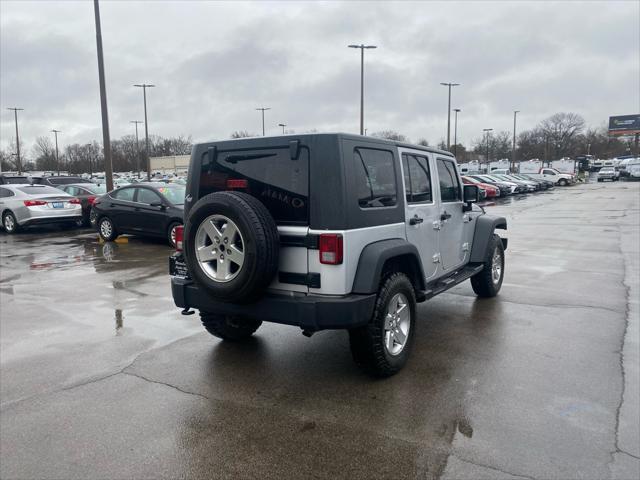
263	109
449	85
136	122
18	162
144	87
362	48
455	133
487	130
513	151
282	125
56	132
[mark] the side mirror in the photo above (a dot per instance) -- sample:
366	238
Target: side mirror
157	204
471	195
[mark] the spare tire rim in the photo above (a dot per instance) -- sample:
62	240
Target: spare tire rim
220	248
397	324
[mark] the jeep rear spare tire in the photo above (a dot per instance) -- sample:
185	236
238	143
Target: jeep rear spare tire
231	246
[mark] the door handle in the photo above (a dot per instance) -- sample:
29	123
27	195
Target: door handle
416	220
445	216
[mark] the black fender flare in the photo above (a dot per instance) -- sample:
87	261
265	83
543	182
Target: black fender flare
485	226
373	258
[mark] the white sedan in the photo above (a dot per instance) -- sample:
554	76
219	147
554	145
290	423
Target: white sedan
25	205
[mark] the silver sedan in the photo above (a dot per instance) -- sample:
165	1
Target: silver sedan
24	205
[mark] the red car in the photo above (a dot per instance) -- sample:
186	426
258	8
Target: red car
491	190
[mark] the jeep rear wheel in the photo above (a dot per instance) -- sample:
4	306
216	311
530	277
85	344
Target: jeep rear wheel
230	328
382	347
487	283
231	246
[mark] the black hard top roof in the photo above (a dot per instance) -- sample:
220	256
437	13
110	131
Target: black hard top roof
276	139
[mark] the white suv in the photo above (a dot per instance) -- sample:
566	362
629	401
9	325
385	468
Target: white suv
329	231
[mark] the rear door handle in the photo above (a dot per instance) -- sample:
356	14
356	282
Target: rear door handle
416	220
445	216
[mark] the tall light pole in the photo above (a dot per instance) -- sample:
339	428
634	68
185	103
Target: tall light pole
18	161
263	109
455	133
282	125
89	148
362	47
106	141
144	87
56	132
513	149
487	130
136	122
449	85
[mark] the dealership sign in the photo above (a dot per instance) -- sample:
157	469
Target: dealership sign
624	125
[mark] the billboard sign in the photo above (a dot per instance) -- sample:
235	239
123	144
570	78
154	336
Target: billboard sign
624	125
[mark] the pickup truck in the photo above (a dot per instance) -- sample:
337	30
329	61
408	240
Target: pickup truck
553	175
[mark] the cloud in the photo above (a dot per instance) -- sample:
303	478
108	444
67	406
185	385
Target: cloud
215	62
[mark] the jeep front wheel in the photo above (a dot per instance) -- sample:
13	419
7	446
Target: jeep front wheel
230	328
383	346
488	281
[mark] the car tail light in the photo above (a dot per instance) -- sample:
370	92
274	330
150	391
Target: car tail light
75	201
179	237
330	249
92	200
237	183
34	203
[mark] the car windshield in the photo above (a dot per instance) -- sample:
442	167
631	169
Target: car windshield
174	193
41	190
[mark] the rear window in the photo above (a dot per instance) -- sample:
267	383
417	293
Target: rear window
174	194
270	175
96	188
63	180
15	180
40	190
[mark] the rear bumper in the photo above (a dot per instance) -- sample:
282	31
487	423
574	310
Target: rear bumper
51	219
309	312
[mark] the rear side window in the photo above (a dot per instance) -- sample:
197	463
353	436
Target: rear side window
4	193
417	179
124	194
271	175
450	190
375	178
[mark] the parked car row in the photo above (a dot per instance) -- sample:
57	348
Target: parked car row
498	185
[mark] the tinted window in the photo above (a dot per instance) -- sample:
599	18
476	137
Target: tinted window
147	196
124	194
271	175
4	193
63	180
40	190
417	179
449	186
375	178
548	172
15	180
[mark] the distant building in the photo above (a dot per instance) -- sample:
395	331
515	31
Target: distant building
170	163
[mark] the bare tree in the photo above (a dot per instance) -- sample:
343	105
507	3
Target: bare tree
423	142
242	134
562	129
45	154
391	135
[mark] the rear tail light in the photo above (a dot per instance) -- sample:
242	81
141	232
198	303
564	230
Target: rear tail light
34	203
92	200
75	201
330	249
236	183
179	237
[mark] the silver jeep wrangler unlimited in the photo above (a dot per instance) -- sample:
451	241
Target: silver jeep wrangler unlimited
329	231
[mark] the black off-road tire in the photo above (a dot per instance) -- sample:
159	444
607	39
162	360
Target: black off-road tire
108	235
484	283
12	221
261	245
368	343
170	240
229	328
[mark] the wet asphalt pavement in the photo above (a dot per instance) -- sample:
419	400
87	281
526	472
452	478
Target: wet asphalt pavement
101	377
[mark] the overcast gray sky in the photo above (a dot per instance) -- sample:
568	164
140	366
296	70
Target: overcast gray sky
215	62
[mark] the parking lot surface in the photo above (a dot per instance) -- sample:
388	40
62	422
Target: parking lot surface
101	377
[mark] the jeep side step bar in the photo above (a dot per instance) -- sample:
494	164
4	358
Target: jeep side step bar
445	284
